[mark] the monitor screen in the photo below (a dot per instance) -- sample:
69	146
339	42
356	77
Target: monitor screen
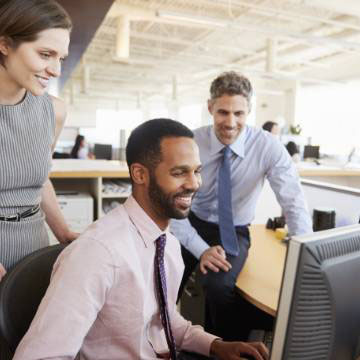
319	306
103	151
311	152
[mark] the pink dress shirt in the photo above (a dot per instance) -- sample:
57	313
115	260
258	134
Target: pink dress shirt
101	301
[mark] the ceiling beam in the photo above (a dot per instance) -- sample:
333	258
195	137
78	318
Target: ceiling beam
87	15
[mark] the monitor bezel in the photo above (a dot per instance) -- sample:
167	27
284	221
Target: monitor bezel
286	294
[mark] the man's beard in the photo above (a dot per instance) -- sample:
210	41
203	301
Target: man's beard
165	204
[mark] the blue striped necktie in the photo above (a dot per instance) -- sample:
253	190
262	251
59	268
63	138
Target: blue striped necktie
160	281
226	223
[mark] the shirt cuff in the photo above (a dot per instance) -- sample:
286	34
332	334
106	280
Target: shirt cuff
204	342
197	247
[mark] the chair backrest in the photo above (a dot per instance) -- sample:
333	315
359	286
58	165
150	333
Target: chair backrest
21	291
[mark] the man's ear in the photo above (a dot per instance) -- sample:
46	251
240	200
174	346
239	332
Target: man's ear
4	45
210	106
139	173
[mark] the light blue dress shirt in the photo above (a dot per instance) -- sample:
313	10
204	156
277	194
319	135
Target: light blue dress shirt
257	155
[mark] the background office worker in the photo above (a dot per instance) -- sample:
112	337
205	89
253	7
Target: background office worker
80	149
34	40
236	159
118	283
272	127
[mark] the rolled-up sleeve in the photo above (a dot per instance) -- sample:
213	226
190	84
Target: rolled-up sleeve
284	181
190	337
188	237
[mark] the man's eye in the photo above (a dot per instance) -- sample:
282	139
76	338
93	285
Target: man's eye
45	55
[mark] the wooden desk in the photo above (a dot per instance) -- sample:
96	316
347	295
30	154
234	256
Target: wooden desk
260	280
70	168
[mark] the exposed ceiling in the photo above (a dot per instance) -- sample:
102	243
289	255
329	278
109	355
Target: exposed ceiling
172	48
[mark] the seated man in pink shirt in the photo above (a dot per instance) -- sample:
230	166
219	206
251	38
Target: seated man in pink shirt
113	291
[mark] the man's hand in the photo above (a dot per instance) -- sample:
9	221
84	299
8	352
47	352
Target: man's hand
2	271
235	350
214	259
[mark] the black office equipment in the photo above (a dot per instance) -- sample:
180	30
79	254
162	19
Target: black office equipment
323	218
58	155
319	314
311	152
103	151
276	223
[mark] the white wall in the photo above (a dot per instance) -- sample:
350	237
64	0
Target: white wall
269	108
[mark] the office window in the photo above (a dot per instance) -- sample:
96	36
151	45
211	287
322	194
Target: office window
330	116
190	115
108	126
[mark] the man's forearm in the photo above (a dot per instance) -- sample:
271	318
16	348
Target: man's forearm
188	237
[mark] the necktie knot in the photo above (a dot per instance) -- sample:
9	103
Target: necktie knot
227	152
161	242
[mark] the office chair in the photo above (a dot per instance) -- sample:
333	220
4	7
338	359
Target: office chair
21	291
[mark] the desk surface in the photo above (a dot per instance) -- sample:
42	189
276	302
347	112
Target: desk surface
311	169
260	280
70	168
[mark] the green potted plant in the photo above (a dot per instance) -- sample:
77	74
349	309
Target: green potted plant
295	129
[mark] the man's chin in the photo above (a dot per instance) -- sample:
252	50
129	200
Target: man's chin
181	214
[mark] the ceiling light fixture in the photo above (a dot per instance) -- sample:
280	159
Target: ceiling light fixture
169	15
123	37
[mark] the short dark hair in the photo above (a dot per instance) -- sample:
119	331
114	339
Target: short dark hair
22	20
144	144
268	125
292	148
231	83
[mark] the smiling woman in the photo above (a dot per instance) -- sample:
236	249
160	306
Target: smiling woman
34	39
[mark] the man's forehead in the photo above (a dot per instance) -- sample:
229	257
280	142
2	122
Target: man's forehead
178	148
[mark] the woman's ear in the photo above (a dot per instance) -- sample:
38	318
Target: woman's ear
139	173
4	45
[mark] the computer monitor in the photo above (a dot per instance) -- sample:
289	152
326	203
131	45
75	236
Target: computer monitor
311	152
103	151
319	308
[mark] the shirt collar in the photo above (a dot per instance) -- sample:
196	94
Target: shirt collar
146	227
238	147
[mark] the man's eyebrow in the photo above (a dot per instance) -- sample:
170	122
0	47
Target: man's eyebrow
184	168
180	167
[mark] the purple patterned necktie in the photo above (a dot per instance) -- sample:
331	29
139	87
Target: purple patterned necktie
160	281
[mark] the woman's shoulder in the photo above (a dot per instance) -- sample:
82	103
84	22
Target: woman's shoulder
59	110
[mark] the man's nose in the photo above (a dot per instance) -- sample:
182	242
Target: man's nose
193	182
230	120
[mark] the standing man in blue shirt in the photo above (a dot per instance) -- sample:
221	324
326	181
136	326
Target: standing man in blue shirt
236	159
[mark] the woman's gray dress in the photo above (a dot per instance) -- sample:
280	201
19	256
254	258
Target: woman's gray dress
27	131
